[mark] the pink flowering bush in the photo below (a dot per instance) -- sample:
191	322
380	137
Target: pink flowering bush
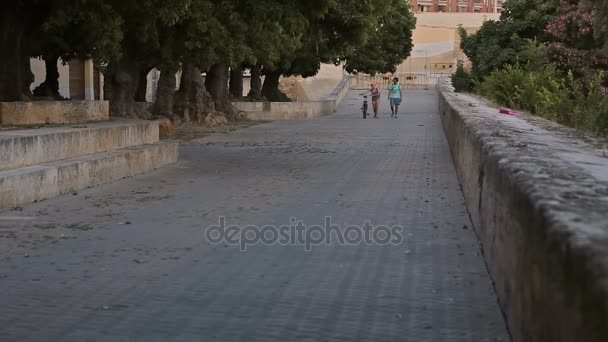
574	45
561	75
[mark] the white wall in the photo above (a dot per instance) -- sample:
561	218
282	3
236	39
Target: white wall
39	70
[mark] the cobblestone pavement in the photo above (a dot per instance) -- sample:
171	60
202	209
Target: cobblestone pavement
128	261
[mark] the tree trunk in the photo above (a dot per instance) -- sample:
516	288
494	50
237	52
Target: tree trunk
192	101
270	90
15	73
217	85
256	83
165	92
236	82
120	86
50	86
142	84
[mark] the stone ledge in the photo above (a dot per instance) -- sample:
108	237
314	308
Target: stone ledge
295	110
53	112
35	183
541	216
21	148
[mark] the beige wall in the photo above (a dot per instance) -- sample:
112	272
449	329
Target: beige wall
436	47
437	43
317	88
452	20
39	70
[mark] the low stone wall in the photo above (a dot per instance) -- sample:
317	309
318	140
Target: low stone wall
53	112
21	148
39	182
539	204
295	110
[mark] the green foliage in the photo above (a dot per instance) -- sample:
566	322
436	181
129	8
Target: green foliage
292	37
601	21
84	29
461	79
389	43
345	26
548	93
144	21
542	57
498	43
368	36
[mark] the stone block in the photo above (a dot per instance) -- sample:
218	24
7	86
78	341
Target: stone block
38	182
53	112
20	148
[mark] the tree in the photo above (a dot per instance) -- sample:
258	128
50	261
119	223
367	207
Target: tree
390	41
190	43
274	34
334	30
262	32
19	21
143	23
502	42
51	29
78	29
601	21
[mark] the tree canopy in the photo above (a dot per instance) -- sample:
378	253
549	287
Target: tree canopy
506	41
127	38
389	41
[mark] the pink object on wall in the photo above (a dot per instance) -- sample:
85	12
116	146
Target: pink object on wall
507	111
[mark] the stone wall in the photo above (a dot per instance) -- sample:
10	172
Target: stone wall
53	112
539	203
295	110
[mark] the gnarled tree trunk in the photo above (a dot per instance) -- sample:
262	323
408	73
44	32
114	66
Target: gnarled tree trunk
120	86
256	83
270	90
15	73
50	86
165	92
142	84
192	101
236	82
217	85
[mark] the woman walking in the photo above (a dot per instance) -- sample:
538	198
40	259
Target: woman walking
395	93
375	91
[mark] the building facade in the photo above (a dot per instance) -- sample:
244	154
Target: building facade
458	6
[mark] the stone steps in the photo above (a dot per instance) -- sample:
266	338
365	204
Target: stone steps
21	148
34	183
37	164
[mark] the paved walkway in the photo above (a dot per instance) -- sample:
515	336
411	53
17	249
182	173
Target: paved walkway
128	261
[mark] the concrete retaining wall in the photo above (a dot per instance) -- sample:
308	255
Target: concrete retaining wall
295	110
53	112
35	183
542	219
22	148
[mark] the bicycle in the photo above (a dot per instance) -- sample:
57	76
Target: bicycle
364	108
